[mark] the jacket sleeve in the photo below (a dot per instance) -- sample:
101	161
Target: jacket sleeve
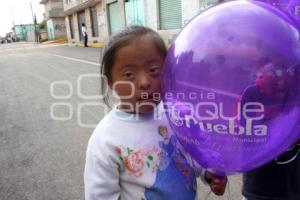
101	180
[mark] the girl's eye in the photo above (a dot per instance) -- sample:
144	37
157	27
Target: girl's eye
128	75
155	70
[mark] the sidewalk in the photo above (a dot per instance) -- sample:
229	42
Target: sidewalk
64	41
93	45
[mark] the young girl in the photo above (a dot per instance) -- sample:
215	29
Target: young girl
132	155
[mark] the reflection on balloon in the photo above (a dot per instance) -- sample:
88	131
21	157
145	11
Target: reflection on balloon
289	7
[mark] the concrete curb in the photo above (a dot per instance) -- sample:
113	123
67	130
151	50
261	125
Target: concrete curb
59	41
95	45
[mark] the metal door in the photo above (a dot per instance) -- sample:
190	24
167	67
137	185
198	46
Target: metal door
114	17
134	10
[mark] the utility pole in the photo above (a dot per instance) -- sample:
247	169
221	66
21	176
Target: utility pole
13	23
12	14
35	23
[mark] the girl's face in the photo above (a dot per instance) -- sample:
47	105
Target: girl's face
139	64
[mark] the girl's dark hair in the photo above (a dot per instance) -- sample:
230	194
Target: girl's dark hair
121	39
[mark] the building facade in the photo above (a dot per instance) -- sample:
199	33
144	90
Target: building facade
106	17
92	14
54	18
20	31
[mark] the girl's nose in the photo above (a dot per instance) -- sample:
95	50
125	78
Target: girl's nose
144	82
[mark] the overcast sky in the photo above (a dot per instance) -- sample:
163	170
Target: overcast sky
18	11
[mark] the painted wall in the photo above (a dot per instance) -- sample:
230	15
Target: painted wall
59	28
102	22
31	36
56	28
53	5
21	30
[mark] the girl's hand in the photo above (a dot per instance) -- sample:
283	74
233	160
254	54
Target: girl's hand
217	183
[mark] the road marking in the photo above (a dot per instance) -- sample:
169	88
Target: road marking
75	59
27	47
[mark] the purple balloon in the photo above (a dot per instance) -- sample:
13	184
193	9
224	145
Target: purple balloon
232	86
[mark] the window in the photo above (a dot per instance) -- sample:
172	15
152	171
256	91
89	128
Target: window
94	21
71	26
170	14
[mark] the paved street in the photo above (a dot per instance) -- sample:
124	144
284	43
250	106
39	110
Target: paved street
46	121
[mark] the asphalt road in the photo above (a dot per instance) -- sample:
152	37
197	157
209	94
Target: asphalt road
47	112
